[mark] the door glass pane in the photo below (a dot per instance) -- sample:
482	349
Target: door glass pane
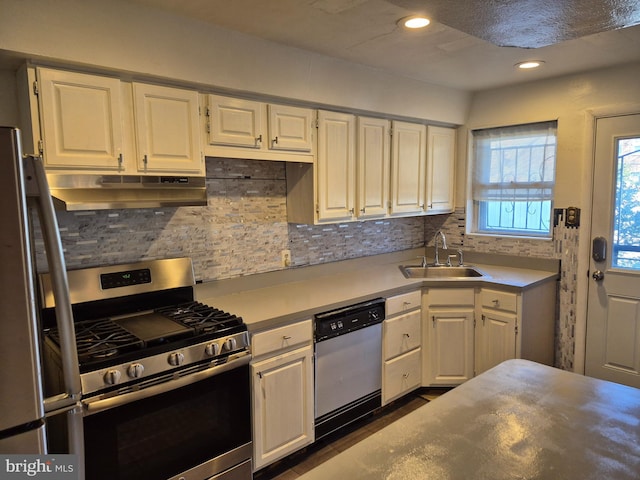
626	222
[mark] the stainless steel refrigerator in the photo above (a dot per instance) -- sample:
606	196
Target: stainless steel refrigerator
23	409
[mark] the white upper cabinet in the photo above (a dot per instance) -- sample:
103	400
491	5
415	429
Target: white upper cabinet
167	129
290	128
373	167
441	144
239	128
408	168
336	166
235	122
80	120
97	124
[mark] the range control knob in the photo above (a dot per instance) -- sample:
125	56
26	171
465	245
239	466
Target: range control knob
135	370
212	349
176	359
230	344
112	377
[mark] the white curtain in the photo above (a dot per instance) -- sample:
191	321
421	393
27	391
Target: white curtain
514	163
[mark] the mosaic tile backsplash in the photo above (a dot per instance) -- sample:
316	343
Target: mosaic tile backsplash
244	228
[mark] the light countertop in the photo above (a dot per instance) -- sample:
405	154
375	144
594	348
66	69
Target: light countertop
268	300
517	420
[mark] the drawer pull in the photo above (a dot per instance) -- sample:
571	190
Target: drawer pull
286	337
405	375
496	302
406	335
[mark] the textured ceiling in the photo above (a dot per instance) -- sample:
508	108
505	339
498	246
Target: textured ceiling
529	23
470	45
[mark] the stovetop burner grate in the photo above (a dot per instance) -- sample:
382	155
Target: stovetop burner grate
202	318
100	339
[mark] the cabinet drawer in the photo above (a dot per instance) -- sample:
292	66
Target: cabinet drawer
401	375
450	297
499	300
401	334
403	303
281	338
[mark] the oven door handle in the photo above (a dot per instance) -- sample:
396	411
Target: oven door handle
101	403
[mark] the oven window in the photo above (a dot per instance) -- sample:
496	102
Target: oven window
167	434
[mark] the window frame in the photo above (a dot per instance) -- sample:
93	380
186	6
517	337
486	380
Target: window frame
476	208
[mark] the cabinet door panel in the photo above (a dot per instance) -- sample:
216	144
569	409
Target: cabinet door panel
236	122
496	339
402	334
167	129
81	120
283	405
408	164
373	167
441	168
336	166
290	128
401	375
450	343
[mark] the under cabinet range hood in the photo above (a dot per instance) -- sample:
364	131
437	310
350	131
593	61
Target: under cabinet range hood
106	192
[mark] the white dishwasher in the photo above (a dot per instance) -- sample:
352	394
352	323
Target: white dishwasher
348	364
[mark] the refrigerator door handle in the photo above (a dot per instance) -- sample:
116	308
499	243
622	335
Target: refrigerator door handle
37	188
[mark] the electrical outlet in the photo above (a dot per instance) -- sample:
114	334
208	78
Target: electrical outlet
285	256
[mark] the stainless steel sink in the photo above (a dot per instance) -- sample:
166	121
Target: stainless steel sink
416	271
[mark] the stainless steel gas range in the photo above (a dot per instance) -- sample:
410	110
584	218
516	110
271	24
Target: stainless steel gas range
165	379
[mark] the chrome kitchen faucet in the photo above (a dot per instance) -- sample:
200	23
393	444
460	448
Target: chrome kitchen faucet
444	245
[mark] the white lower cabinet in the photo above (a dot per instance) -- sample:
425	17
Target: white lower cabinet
448	336
282	389
495	339
402	352
467	331
515	325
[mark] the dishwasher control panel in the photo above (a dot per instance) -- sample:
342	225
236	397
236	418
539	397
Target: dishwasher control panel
347	319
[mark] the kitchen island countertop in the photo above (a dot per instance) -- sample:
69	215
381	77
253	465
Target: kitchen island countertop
275	299
518	420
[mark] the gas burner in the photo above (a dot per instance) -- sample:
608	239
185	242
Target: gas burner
201	317
100	339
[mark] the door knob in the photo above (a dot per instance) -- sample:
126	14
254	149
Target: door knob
598	275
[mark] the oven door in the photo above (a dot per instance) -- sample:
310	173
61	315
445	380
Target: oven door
194	432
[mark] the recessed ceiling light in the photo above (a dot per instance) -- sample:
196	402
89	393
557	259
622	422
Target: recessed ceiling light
414	22
529	64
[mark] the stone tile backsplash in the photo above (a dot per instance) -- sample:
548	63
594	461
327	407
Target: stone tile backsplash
241	231
244	228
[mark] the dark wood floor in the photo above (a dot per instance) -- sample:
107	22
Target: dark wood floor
301	462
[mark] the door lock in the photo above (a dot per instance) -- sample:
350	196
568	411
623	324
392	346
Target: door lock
598	275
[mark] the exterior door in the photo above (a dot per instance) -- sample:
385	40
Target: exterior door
613	322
